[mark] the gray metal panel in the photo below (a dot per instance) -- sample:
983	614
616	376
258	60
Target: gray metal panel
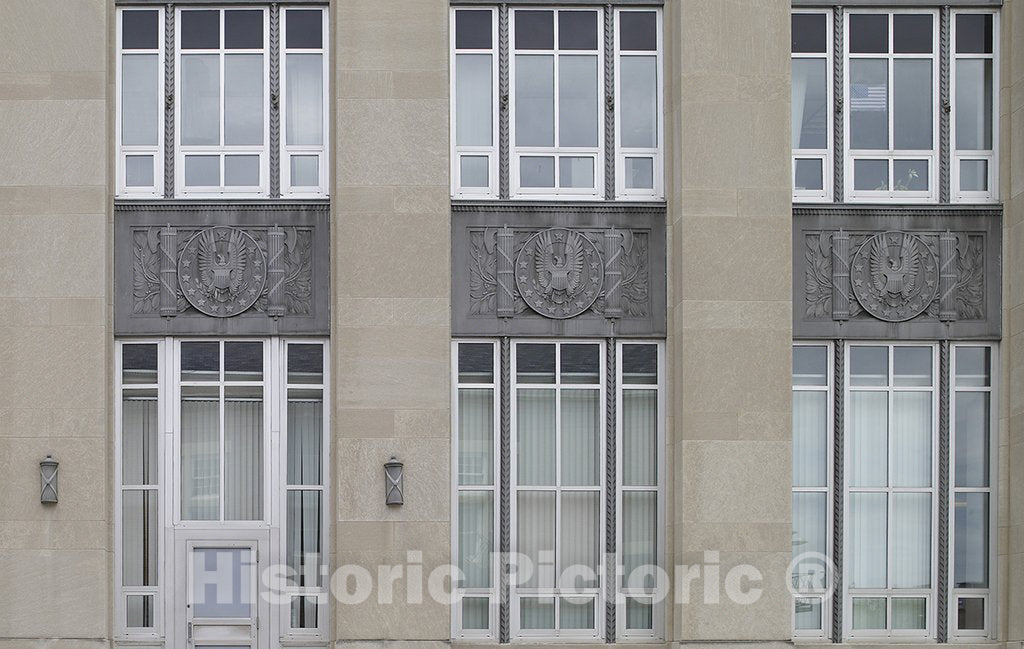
286	266
620	289
897	3
215	3
917	313
561	3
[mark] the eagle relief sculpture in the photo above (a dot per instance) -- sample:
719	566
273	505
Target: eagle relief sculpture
559	273
222	271
894	276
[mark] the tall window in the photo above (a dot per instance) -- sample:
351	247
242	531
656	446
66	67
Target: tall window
558	489
974	91
812	99
562	122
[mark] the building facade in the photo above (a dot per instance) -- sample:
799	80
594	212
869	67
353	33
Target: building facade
420	323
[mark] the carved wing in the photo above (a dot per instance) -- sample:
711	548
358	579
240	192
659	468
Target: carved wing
542	259
206	257
878	265
574	260
910	261
237	258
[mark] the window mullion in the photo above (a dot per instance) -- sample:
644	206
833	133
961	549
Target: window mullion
504	164
273	147
607	109
944	107
168	100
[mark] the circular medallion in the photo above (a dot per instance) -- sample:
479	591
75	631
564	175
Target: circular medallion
559	273
895	276
222	271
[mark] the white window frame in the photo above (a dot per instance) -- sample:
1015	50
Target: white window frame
957	155
826	156
221	150
123	150
826	595
323	150
891	155
458	151
930	594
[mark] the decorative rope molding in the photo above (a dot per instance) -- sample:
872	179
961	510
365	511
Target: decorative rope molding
505	513
944	105
838	92
169	101
942	585
503	112
609	113
610	476
838	390
275	107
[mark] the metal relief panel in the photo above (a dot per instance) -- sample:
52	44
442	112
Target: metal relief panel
256	269
896	274
539	270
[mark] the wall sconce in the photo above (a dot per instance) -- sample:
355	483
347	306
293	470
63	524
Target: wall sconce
394	493
48	480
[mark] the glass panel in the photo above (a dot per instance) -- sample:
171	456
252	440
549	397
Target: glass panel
809	538
575	172
140	29
810	439
474	111
868	445
138	364
141	86
640	438
200	98
305	517
576	613
537	613
810	113
871	175
869	33
473	29
869	104
579	551
869	613
638	31
140	533
912	104
807	614
809	175
970	614
537	171
535	363
973	33
912	366
304	29
639	537
202	170
140	437
974	175
535	30
910	175
200	458
911	540
305	171
476	436
242	170
638	99
305	441
243	361
869	365
139	611
580	363
639	614
200	29
536	536
971	439
909	613
582	447
911	439
577	30
476	537
912	33
809	33
476	363
305	363
810	365
474	171
970	540
243	454
476	613
243	29
222	582
535	436
535	99
867	541
138	171
303	613
972	366
577	97
304	99
973	104
639	173
243	99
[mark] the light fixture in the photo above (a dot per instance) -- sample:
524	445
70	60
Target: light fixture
393	477
48	480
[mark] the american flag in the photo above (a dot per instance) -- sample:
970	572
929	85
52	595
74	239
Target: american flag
867	97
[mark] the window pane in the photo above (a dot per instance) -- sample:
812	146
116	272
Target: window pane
476	537
580	537
140	435
476	363
973	104
582	446
580	363
243	99
869	365
871	175
810	113
202	171
972	439
243	29
639	614
912	366
303	550
973	33
640	364
138	364
909	613
576	172
970	614
638	98
577	101
912	33
305	440
535	440
473	29
869	33
972	366
200	458
868	439
639	173
639	537
475	613
474	171
200	29
535	100
304	29
141	86
200	361
305	171
476	436
139	611
243	454
809	33
808	614
809	175
305	363
638	31
911	540
810	365
138	171
200	99
912	104
911	439
536	171
140	531
222	582
910	175
640	438
535	363
473	92
869	613
304	99
810	439
577	30
242	170
537	613
303	613
867	541
869	104
535	30
974	175
970	540
810	542
140	29
576	613
536	535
